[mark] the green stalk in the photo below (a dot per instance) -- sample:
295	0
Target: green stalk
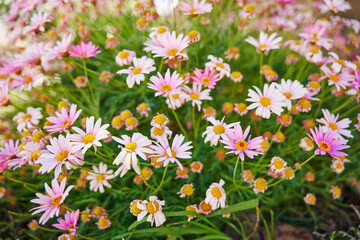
236	165
89	84
260	65
177	119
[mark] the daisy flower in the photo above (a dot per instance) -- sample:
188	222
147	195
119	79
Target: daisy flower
29	153
99	178
29	119
103	223
84	50
30	78
176	100
94	133
206	77
37	22
306	144
196	8
160	131
219	65
209	112
171	46
335	6
70	222
310	199
195	95
340	80
191	208
327	142
277	164
136	74
125	57
10	150
63	120
265	43
217	131
171	154
4	95
59	153
51	202
238	144
158	31
143	109
182	173
60	50
137	145
271	100
292	90
160	120
196	166
186	190
154	208
169	84
134	209
241	108
335	191
331	123
260	185
248	176
215	195
205	208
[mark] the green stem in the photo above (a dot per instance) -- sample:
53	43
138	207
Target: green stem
349	101
260	65
177	119
88	82
234	174
194	125
161	64
143	178
162	180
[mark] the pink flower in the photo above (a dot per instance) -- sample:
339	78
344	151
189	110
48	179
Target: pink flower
215	195
37	22
166	85
206	77
59	153
30	154
9	151
31	78
265	43
196	8
29	119
60	50
238	143
335	6
125	57
136	74
51	202
171	46
63	120
292	90
331	123
219	65
196	95
99	178
84	50
154	208
327	143
70	222
340	80
94	133
4	95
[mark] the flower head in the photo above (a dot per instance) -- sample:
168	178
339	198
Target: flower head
70	222
330	123
206	77
215	195
153	207
169	84
265	43
84	50
99	178
63	120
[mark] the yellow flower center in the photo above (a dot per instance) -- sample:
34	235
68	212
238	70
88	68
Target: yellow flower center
152	207
67	122
88	138
126	114
143	106
134	209
309	124
228	106
142	21
173	154
136	71
124	54
279	164
265	101
188	190
341	62
38	136
28	80
130	121
116	121
26	117
131	146
309	143
249	175
103	222
219	129
260	184
61	156
172	52
220	65
334	78
146	172
194	96
196	166
193	11
285	118
304	103
216	192
271	73
336	190
264	144
236	74
193	35
98	210
190	209
324	146
314	84
333	126
165	88
2	101
205	80
262	47
205	207
160	119
288	172
100	178
339	165
241	107
209	110
137	5
161	30
280	136
234	50
241	145
314	50
311	199
250	8
175	96
35	155
158	131
56	201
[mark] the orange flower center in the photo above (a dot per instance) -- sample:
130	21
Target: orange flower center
56	201
152	207
241	145
124	54
324	146
26	117
188	190
261	184
205	80
136	71
88	138
279	164
219	129
216	192
100	178
333	126
265	101
158	131
194	96
334	78
205	207
173	154
28	80
67	122
165	88
62	155
172	52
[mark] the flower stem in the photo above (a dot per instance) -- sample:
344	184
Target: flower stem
162	180
161	64
194	125
260	65
236	165
88	82
177	119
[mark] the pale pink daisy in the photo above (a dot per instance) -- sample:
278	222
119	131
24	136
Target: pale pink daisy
216	131
292	90
125	57
271	100
327	143
313	54
330	123
63	120
176	100
51	202
265	43
160	120
59	153
154	208
315	34
28	120
335	6
169	84
94	133
171	46
29	154
137	145
9	151
136	74
238	144
196	95
99	178
37	22
60	50
4	95
84	50
206	77
310	199
160	131
30	78
195	8
340	80
215	195
338	64
168	154
158	31
219	65
70	222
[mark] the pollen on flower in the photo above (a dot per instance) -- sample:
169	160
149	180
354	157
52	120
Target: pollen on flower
172	52
324	146
173	154
334	78
219	129
265	101
152	207
124	54
205	80
66	124
241	145
26	117
131	146
38	136
194	96
333	126
56	201
216	192
160	119
100	178
136	71
165	88
188	190
35	155
88	138
61	156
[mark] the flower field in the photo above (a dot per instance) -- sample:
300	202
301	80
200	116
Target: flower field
190	119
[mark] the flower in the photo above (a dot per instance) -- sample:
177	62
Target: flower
206	77
60	50
182	173
215	195
310	199
137	145
248	176
195	95
94	133
37	22
135	74
236	76
237	144
232	53
84	50
335	191
51	202
186	190
103	223
191	208
143	109
271	100
99	178
213	133
63	120
194	36
31	78
340	80
70	222
160	120
29	119
205	208
59	153
171	46
277	164
265	43
171	154
335	6
306	144
196	166
241	108
292	90
327	143
4	95
125	57
288	173
330	123
169	84
29	153
154	208
196	8
219	65
260	185
134	209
